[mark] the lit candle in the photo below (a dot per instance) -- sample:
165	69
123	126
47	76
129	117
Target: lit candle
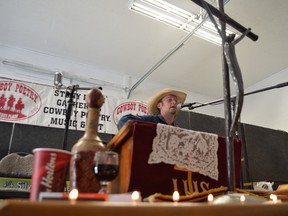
73	195
242	199
135	196
210	199
176	197
273	197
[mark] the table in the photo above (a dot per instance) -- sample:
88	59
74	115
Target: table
61	208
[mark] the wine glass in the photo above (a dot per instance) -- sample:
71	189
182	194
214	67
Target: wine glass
106	166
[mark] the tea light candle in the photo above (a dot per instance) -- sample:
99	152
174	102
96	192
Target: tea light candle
274	198
242	199
210	199
135	197
73	195
176	197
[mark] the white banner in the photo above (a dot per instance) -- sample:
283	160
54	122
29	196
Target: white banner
41	105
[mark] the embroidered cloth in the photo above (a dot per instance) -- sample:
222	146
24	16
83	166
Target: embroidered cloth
192	150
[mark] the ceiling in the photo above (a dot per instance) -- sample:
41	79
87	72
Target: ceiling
105	34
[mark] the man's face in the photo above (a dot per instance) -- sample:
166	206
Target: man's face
168	104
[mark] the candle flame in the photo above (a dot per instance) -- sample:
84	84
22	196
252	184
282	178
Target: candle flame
135	196
73	195
273	197
176	196
242	198
210	198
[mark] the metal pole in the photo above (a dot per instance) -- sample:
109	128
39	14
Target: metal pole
225	18
164	58
227	107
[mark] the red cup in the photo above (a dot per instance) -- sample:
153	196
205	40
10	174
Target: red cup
50	169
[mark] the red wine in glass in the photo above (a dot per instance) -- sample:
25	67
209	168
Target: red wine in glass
106	172
106	166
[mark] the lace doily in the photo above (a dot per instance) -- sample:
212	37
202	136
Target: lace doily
195	151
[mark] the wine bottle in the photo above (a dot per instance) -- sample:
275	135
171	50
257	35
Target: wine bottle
82	176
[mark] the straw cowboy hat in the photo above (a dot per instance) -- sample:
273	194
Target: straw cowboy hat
154	100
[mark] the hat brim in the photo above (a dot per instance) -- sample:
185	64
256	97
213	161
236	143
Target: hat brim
154	100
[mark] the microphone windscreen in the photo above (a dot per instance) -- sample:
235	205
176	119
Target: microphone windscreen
58	77
179	106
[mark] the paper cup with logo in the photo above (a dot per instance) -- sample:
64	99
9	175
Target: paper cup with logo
50	169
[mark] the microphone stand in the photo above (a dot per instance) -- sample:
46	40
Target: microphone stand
193	106
230	65
225	18
68	115
242	134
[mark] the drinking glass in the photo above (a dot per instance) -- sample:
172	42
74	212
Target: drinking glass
106	166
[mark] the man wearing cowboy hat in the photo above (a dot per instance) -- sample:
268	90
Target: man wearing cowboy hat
162	108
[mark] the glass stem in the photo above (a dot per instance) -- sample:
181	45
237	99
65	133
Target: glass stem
104	187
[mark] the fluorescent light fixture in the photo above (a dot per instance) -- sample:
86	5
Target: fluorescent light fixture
179	18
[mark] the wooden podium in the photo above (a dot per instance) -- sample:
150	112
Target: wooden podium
134	144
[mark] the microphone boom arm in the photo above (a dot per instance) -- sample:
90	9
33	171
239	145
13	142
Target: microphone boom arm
233	97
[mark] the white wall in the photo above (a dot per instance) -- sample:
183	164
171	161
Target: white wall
266	109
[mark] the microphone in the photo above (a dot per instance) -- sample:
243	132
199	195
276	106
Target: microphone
181	106
58	77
